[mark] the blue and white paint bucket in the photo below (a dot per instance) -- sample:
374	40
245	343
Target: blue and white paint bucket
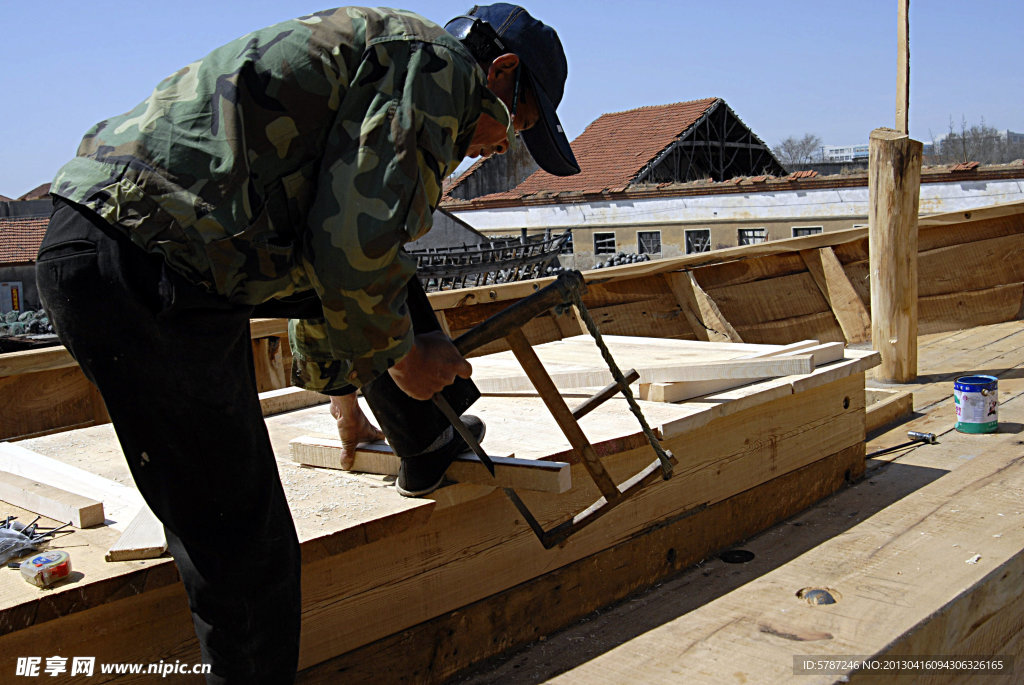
977	404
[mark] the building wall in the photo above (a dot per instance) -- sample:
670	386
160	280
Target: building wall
28	294
673	236
778	212
497	174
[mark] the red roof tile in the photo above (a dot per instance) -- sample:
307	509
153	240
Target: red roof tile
20	238
964	166
616	147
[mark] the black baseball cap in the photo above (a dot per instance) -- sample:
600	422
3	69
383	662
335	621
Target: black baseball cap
540	52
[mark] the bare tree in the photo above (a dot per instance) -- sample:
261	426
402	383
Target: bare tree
977	143
792	151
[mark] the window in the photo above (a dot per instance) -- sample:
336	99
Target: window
567	245
805	230
750	236
604	243
698	240
648	242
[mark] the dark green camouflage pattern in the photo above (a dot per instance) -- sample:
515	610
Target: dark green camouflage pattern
300	156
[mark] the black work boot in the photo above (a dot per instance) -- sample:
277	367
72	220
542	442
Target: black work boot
424	473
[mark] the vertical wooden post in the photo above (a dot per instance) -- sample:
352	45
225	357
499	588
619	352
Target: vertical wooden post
903	68
894	184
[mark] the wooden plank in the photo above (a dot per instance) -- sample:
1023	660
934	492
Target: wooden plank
120	502
1006	209
969	309
770	300
848	308
46	500
894	184
28	361
974	265
819	325
731	369
289	399
886	407
509	472
677	392
655	317
144	538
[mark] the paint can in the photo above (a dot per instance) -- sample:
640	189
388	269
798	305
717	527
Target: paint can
977	404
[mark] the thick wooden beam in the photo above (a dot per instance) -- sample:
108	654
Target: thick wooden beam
120	502
894	184
831	279
49	501
700	310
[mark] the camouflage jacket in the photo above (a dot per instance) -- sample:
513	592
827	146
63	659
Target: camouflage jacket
300	156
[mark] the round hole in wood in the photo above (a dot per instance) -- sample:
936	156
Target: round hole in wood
736	556
818	596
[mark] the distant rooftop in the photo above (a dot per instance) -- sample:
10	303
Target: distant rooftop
670	143
20	238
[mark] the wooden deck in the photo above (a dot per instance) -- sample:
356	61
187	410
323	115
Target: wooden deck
924	555
376	565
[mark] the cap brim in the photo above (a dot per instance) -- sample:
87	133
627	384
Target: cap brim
546	139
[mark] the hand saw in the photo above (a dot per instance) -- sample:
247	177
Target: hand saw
565	292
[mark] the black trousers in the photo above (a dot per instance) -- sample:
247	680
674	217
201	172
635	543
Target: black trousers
174	366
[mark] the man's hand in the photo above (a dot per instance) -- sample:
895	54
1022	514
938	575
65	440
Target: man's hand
353	427
431	365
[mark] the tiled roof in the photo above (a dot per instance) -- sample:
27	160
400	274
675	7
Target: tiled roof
616	147
4	198
20	238
37	193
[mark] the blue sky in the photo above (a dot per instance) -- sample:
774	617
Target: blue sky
787	68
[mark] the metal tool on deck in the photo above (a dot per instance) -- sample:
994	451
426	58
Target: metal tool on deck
915	438
564	293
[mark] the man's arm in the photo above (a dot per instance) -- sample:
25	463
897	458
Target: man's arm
380	181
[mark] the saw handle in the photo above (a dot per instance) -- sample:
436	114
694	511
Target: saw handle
522	312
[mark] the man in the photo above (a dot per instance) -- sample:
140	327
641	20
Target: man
280	173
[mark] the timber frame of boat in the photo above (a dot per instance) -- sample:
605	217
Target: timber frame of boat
502	260
457	577
971	273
